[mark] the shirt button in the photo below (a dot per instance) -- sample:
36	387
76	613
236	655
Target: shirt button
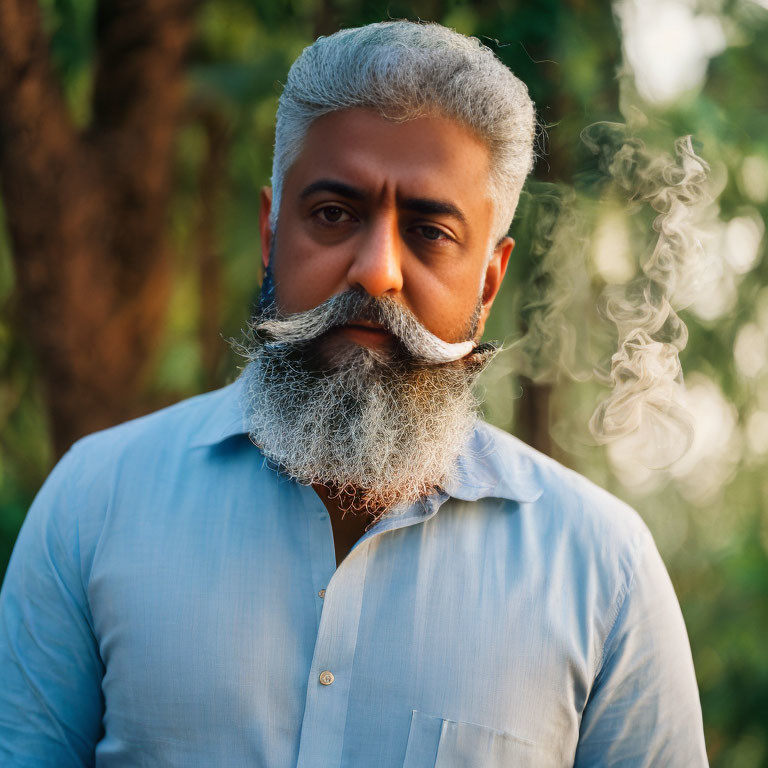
321	593
326	677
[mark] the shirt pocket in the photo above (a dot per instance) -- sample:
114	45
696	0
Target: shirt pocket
437	743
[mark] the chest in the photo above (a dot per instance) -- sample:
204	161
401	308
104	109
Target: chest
440	644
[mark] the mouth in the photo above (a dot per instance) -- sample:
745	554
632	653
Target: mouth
366	324
367	333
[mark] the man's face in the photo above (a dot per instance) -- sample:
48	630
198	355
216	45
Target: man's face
382	225
399	209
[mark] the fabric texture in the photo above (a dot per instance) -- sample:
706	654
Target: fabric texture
163	608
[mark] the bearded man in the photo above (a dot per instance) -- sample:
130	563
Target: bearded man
376	578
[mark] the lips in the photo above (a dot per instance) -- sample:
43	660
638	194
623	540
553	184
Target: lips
367	333
365	326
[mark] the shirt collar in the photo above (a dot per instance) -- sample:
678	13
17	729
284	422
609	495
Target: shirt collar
226	416
492	464
495	464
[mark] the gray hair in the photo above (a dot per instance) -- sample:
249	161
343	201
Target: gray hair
405	70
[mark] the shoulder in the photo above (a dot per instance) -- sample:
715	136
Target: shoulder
556	485
133	475
119	467
591	547
570	516
154	439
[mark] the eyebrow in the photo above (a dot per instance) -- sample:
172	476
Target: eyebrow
427	206
331	185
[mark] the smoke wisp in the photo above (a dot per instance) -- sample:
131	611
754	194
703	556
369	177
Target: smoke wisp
646	403
647	398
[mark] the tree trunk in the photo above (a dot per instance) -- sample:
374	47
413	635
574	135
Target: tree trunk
533	416
86	211
212	176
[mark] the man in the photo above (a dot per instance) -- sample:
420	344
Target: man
375	578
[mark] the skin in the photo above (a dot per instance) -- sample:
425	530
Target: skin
401	209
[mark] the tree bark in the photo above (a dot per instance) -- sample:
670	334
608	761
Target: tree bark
87	211
533	416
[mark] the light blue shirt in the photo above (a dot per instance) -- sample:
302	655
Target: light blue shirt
173	601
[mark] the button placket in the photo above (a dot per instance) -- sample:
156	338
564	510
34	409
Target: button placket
328	687
321	554
325	712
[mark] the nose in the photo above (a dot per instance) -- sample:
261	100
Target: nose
376	265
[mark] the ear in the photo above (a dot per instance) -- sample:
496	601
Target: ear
265	230
494	274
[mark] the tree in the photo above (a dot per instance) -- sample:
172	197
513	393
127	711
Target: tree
86	207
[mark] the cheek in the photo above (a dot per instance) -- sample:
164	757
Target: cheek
303	277
445	303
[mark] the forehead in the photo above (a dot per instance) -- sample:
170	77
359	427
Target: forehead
431	156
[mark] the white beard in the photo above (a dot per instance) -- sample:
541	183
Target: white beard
378	429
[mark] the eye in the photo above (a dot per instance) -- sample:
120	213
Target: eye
433	234
331	214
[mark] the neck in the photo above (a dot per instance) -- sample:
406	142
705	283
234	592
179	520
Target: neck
349	520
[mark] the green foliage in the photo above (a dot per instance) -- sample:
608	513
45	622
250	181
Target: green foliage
70	26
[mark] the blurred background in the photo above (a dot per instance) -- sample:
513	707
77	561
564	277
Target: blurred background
134	138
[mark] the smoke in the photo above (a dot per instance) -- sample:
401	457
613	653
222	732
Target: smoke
646	404
558	289
647	400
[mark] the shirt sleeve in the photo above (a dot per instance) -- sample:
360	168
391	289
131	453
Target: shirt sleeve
50	698
644	707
